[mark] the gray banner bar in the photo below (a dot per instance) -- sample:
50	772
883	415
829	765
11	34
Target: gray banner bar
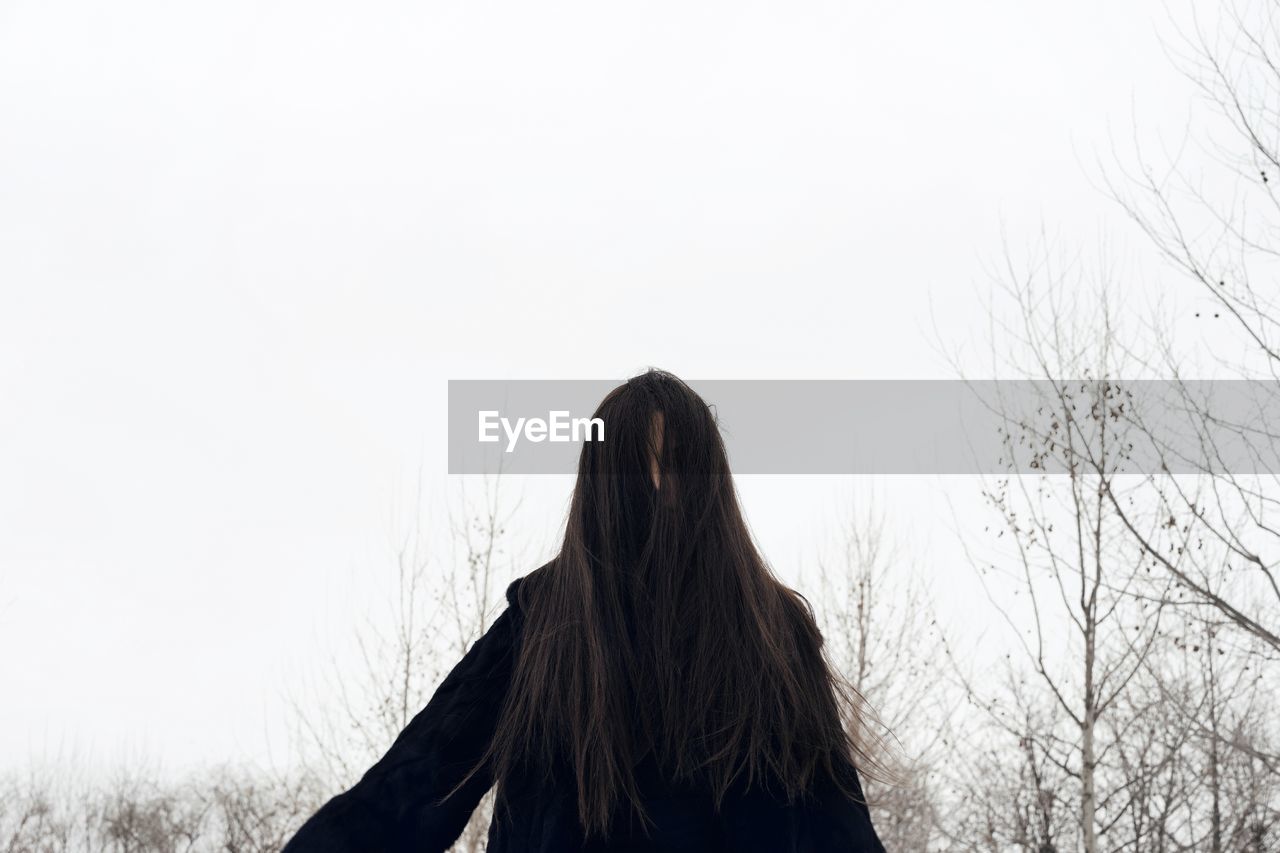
878	427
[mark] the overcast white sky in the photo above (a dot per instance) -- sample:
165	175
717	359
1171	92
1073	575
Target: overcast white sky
243	245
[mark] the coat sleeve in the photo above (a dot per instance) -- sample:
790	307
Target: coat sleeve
394	806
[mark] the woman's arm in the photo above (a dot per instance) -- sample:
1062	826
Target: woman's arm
395	806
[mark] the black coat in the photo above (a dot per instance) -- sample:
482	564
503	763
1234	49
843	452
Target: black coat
393	806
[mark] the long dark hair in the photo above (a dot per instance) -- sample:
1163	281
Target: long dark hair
659	629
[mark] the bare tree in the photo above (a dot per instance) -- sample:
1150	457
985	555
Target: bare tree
256	813
469	591
1217	227
880	630
137	810
1131	697
438	608
350	720
1065	575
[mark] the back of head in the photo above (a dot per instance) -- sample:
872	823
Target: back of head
659	629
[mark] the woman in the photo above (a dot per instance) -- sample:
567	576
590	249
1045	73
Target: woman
653	688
